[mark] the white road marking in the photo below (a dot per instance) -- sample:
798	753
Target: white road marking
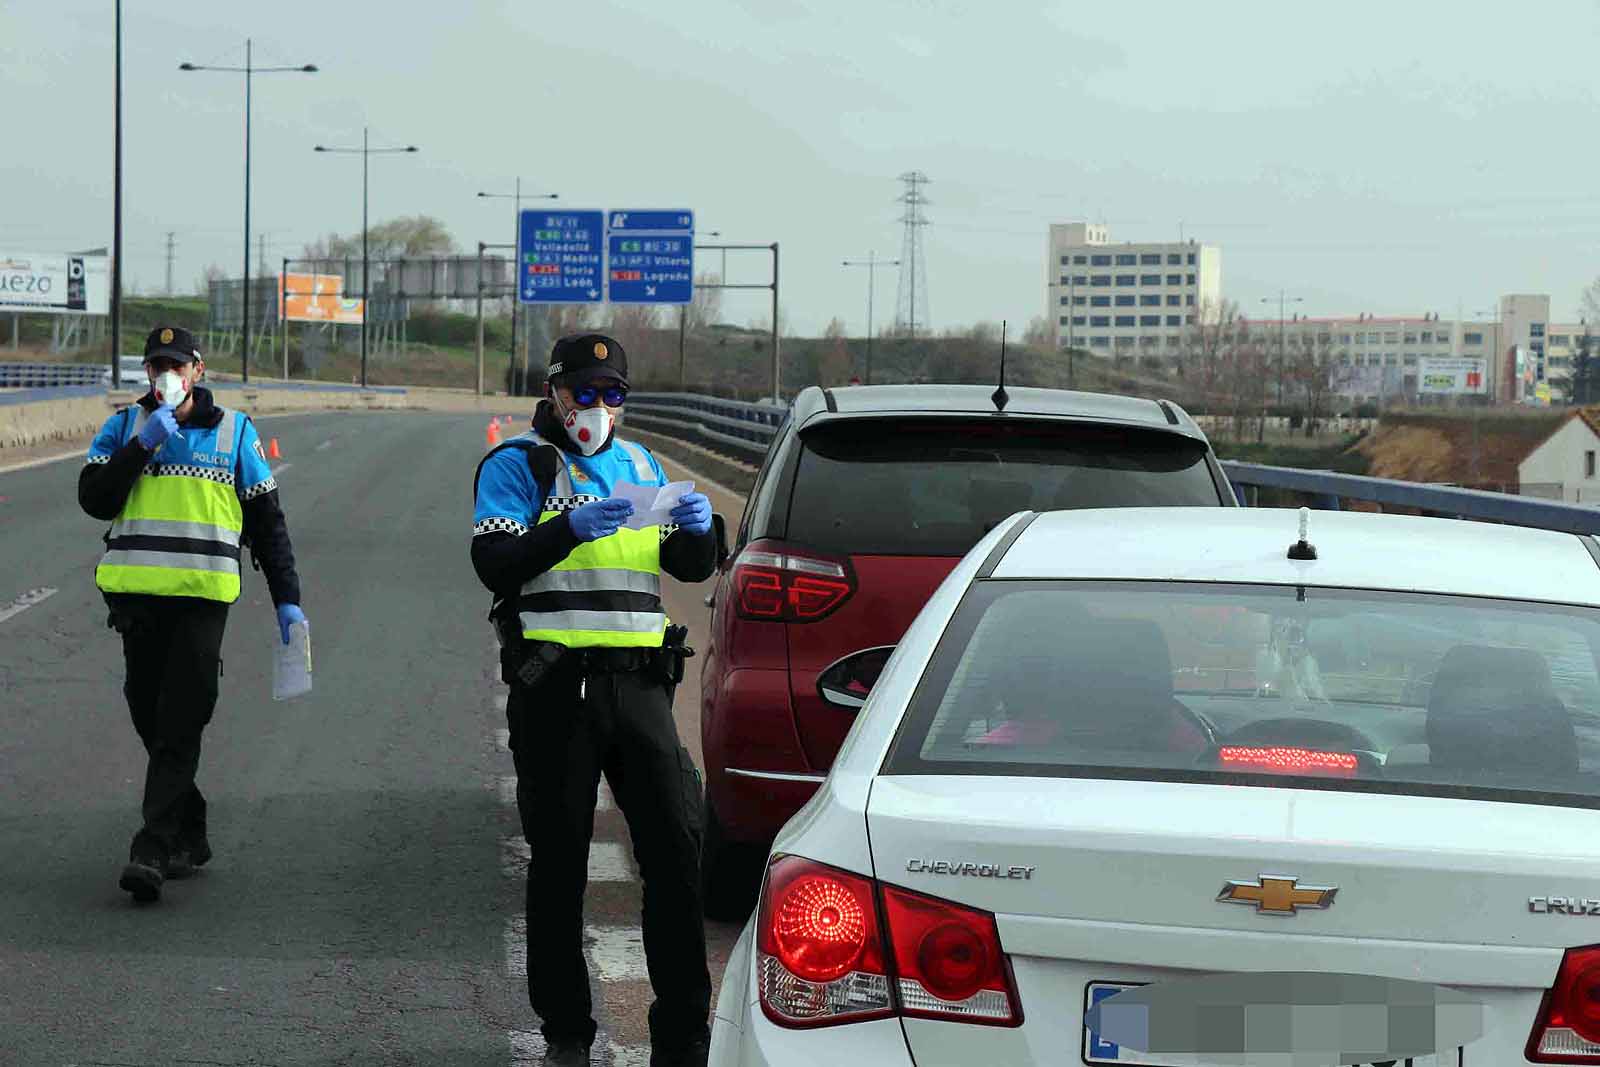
608	860
500	698
517	946
280	468
527	1046
616	952
26	601
77	453
325	445
502	739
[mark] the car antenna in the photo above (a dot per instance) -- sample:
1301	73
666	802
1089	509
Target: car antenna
1303	548
1001	398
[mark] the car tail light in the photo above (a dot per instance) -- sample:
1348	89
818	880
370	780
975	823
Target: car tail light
820	947
1286	759
1568	1027
823	952
948	961
785	586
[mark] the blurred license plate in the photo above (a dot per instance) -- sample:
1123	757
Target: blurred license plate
1097	1051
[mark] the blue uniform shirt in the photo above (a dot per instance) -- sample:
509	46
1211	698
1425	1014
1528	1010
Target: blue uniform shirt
196	447
509	500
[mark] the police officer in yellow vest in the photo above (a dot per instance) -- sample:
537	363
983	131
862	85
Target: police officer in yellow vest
185	484
592	662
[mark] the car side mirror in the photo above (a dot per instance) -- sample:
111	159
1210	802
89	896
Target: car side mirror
720	525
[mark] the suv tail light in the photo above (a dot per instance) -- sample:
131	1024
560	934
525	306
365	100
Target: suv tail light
823	952
821	958
776	584
1568	1027
948	961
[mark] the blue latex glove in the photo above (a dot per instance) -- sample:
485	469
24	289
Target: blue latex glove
693	513
599	518
288	614
161	425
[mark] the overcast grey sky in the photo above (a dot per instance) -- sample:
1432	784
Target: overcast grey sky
1369	156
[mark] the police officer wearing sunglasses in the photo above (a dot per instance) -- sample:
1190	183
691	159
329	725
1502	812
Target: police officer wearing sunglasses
592	661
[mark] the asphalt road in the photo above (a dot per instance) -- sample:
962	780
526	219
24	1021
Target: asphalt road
364	905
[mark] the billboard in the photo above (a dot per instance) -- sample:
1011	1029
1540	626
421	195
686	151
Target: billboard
1451	375
55	283
317	298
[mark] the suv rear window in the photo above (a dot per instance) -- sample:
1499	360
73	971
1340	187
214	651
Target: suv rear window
1264	685
934	487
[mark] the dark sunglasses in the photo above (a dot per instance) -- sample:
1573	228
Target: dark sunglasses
588	395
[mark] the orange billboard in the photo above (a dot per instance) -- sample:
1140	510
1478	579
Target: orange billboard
317	298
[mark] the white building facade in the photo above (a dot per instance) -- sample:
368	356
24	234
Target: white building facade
1126	299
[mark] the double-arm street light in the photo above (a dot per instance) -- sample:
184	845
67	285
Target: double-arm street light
516	294
1282	300
249	70
364	152
871	263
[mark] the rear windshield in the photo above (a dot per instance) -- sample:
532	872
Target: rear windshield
1320	688
934	488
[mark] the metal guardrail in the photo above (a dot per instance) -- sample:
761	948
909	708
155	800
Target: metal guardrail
51	375
749	428
1329	490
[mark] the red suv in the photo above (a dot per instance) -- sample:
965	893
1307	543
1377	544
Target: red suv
867	499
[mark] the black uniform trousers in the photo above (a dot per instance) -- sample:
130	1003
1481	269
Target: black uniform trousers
620	726
172	647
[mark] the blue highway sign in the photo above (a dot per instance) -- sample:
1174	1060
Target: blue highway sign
650	257
560	257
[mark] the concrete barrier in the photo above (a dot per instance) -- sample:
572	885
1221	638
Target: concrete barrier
33	423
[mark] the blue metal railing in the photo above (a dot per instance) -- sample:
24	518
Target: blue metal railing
1328	489
749	428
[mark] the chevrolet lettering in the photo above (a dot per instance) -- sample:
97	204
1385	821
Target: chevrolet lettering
1563	906
971	870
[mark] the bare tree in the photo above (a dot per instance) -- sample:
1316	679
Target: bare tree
1309	375
706	308
1208	343
1591	302
211	274
1039	334
834	363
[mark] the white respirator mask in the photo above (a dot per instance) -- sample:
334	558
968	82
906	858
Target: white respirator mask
171	388
588	428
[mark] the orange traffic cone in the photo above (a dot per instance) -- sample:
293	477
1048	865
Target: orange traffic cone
272	450
493	434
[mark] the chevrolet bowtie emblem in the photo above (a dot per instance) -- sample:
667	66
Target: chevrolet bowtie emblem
1277	894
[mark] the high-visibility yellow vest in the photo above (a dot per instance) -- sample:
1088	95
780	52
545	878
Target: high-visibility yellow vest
606	593
178	534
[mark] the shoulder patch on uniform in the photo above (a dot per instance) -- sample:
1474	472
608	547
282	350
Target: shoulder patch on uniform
256	444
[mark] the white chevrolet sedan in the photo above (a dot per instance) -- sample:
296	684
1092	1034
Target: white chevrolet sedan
1192	786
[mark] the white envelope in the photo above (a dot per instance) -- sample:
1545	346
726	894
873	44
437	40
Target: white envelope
652	506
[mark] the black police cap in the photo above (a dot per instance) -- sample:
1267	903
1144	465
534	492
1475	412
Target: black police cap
171	342
582	357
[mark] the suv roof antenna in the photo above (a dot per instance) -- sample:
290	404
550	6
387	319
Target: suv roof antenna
1000	397
1303	549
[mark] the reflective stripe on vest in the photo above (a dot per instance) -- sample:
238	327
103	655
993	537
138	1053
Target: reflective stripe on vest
606	593
178	533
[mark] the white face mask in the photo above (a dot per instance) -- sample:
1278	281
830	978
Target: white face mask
171	388
588	428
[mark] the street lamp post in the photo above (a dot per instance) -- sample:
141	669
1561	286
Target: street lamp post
872	263
249	70
366	151
516	296
1282	300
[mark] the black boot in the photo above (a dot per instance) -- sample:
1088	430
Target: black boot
566	1054
143	875
189	856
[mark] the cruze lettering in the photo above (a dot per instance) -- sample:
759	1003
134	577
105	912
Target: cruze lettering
25	283
1564	905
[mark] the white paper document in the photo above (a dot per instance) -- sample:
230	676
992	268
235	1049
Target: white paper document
652	506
